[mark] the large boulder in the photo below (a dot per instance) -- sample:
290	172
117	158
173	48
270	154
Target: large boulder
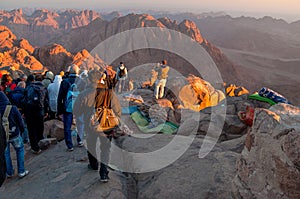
54	129
233	126
269	167
189	176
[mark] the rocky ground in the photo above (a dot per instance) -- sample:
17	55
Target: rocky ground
262	164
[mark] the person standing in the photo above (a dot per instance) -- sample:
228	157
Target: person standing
2	154
121	77
16	126
86	103
49	76
162	75
7	84
111	77
65	86
36	108
53	90
15	97
81	85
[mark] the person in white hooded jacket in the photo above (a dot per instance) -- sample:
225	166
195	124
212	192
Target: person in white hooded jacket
53	90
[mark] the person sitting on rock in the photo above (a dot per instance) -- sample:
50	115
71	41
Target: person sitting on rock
160	83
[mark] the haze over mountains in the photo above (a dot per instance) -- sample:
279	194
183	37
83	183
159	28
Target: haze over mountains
250	52
253	52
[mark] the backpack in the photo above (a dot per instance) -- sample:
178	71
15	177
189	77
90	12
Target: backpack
121	72
35	96
103	119
5	121
276	97
72	95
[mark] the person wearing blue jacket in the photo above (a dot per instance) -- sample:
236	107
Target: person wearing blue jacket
15	97
62	107
16	125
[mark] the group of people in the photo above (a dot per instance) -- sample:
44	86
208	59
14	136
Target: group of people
24	103
37	98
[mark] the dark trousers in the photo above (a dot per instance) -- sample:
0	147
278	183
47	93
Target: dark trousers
68	119
35	126
105	144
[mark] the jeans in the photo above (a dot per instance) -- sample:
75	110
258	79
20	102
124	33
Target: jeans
105	144
18	145
159	88
68	119
80	128
121	85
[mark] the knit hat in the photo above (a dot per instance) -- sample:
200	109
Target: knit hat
50	75
74	69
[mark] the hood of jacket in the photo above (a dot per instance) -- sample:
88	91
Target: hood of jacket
3	99
57	79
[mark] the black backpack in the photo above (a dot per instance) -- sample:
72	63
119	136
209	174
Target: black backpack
35	96
2	149
121	72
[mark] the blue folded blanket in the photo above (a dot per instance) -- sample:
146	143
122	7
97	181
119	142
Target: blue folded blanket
129	109
276	97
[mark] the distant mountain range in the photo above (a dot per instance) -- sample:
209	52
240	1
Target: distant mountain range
250	51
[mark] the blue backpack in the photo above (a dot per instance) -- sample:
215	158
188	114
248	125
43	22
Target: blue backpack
72	95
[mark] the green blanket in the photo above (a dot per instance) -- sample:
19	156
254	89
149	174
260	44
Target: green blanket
260	98
142	123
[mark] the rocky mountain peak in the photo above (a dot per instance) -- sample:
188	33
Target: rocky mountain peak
53	57
23	43
131	21
16	53
7	38
191	29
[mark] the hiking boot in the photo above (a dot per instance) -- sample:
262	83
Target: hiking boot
25	173
104	178
70	149
36	152
80	144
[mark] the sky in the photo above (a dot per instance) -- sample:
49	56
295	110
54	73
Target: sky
275	8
